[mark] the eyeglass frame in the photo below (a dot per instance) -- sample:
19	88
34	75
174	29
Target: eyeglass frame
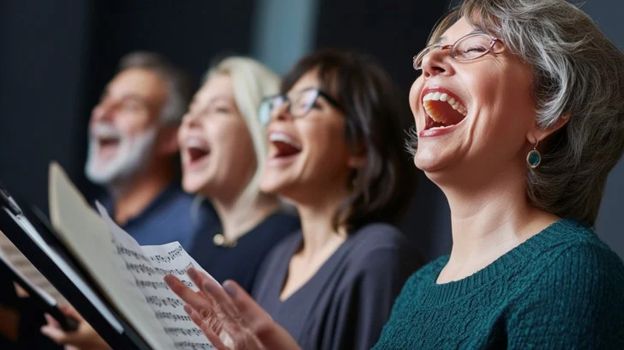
287	100
425	51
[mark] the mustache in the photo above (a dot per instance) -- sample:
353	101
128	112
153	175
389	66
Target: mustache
103	130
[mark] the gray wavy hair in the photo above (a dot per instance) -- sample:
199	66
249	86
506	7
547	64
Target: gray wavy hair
179	86
579	74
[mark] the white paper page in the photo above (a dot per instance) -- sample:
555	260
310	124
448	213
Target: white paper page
13	256
87	236
149	265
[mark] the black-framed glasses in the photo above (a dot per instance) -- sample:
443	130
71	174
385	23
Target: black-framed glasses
467	48
299	103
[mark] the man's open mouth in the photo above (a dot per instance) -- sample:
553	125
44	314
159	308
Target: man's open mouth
442	110
108	141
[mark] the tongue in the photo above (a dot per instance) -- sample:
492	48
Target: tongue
106	142
285	149
443	114
197	153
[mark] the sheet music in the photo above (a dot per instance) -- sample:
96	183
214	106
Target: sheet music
28	271
88	238
149	265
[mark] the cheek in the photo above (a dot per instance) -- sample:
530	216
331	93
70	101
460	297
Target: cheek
234	142
133	124
329	147
414	93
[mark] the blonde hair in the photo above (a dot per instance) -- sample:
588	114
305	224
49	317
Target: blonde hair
251	82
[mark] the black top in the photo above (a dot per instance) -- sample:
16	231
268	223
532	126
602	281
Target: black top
242	261
346	303
173	215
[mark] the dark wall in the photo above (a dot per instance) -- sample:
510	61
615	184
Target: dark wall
44	46
608	16
57	55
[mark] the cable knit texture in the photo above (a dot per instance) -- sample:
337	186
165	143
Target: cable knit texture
561	289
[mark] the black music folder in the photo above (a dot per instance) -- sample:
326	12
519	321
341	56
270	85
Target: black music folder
115	284
39	244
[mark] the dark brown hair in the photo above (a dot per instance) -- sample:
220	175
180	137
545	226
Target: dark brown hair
369	100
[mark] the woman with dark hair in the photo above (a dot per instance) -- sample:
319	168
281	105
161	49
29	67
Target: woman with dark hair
519	114
336	154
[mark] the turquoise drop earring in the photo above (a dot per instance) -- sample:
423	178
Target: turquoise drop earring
534	157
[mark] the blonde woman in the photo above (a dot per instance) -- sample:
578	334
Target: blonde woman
224	148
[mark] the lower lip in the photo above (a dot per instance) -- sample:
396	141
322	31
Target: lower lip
281	161
437	131
197	164
107	150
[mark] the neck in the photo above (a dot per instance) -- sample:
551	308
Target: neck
239	215
134	195
488	221
319	233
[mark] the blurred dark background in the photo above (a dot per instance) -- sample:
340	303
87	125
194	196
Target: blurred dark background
57	55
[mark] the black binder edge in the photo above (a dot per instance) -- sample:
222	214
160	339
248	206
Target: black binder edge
67	279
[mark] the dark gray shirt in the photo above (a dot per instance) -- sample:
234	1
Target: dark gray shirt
346	303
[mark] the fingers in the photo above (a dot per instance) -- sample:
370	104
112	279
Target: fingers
52	321
259	322
210	329
212	288
250	312
69	311
194	299
53	330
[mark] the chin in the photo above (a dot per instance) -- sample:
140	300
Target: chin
192	185
269	187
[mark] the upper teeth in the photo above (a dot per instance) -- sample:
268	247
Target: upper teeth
441	96
281	137
195	142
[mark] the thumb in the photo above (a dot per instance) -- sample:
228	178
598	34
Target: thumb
270	334
248	309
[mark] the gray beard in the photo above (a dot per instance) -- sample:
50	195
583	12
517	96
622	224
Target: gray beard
132	154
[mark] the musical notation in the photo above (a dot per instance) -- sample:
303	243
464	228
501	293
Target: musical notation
192	345
172	316
154	270
123	251
148	265
169	257
183	331
164	301
151	284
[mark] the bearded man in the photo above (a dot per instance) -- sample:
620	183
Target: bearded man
133	152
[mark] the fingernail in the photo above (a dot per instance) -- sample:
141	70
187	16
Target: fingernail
229	288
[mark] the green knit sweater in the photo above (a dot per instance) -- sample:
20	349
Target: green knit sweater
561	289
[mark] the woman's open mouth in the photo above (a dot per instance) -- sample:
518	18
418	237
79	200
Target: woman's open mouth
197	151
283	146
443	110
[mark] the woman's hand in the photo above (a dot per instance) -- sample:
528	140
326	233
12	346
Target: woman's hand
84	337
228	316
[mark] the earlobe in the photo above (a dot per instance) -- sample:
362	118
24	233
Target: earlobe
358	157
538	134
357	162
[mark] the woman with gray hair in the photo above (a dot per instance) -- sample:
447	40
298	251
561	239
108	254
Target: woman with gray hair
519	114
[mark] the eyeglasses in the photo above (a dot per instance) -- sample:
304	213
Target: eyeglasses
467	48
299	103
